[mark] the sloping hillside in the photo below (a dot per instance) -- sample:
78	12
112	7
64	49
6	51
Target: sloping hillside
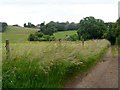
20	34
17	34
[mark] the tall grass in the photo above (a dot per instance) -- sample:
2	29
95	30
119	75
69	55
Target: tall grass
114	50
48	64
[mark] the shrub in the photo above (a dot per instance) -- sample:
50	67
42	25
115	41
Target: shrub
32	37
52	38
73	37
47	37
39	34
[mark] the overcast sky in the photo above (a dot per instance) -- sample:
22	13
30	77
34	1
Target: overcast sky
37	11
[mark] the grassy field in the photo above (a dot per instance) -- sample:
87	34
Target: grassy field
20	34
48	64
45	64
64	33
17	34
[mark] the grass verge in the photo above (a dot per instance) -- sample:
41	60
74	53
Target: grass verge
49	64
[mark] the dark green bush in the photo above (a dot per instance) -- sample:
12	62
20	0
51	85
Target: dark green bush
39	36
32	37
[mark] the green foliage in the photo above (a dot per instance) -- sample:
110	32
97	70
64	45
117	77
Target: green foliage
32	37
39	36
109	34
47	37
51	66
66	26
91	28
118	40
48	29
113	32
117	32
72	26
73	37
30	25
52	27
4	26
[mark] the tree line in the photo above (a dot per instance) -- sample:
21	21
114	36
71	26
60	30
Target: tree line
91	28
59	26
52	27
87	28
29	25
3	26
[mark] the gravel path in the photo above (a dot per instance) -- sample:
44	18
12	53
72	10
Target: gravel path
103	75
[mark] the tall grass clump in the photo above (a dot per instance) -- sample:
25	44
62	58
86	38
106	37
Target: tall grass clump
49	64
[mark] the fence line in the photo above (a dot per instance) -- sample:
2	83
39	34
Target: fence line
7	49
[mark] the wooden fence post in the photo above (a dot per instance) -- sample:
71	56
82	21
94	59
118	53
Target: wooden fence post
83	42
7	49
82	39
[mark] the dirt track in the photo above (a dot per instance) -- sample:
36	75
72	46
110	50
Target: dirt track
103	75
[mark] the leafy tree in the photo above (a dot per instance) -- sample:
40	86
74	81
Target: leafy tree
48	29
30	25
64	26
4	26
113	32
25	25
42	24
72	26
116	31
91	28
110	34
60	26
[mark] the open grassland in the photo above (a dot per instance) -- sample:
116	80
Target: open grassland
20	34
62	34
48	64
17	34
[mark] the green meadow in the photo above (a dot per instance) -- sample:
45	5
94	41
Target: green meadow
48	64
20	34
17	34
62	34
